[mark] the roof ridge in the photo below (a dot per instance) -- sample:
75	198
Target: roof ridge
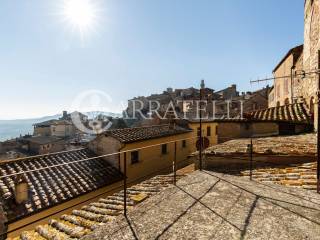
264	109
149	126
40	155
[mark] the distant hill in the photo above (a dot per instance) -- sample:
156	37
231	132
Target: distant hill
16	127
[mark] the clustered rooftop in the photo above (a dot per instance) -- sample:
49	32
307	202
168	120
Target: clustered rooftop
52	186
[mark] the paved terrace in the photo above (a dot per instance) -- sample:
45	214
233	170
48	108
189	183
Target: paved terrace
207	205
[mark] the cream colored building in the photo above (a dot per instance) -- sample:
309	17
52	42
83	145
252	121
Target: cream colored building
150	150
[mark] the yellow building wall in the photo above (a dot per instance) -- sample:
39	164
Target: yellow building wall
152	161
213	139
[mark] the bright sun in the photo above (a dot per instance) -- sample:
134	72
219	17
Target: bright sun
80	14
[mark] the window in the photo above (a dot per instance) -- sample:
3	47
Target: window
164	149
217	130
208	131
198	131
134	157
184	143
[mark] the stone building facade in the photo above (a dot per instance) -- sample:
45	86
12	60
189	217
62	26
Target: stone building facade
311	52
305	60
225	103
283	92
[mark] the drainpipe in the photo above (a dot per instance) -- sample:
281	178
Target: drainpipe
318	127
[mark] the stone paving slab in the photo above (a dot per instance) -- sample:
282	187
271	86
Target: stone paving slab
208	205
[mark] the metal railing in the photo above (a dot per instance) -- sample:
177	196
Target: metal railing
172	168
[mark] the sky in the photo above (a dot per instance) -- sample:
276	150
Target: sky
135	48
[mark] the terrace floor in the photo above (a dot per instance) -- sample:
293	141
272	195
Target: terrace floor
208	205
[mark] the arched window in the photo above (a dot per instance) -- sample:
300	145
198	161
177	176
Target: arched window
278	104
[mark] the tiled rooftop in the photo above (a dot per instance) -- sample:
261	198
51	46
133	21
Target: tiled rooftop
127	135
304	144
298	175
52	186
297	113
83	221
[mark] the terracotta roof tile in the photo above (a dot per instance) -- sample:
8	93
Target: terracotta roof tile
297	113
127	135
52	186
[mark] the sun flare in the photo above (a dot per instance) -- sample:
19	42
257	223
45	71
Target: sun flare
81	15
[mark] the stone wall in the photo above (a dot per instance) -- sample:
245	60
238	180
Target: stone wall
304	88
311	47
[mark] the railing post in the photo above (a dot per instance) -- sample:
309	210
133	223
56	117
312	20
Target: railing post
125	183
200	135
318	128
175	164
251	151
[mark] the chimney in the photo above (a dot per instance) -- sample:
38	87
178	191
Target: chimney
21	189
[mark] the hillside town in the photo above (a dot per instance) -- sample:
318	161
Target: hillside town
188	163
